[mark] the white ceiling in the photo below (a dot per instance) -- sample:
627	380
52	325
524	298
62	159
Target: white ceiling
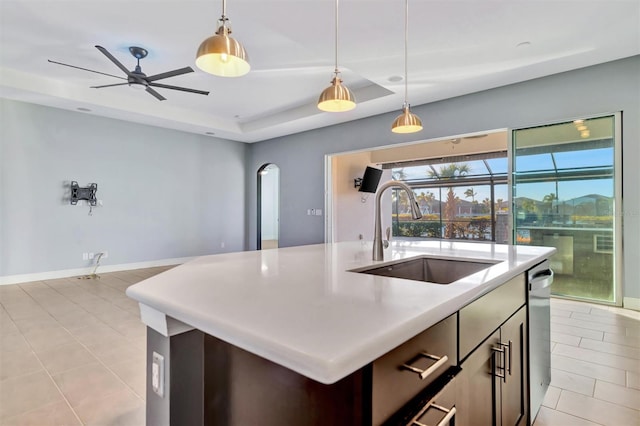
455	47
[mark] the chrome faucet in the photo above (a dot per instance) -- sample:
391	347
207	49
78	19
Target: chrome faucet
378	244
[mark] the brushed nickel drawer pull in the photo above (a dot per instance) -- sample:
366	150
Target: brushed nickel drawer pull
440	361
502	366
445	420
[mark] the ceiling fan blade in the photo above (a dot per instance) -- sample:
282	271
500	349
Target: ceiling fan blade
109	85
85	69
168	74
184	89
114	60
156	94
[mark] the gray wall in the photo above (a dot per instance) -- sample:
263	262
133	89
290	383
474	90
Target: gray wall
604	88
166	194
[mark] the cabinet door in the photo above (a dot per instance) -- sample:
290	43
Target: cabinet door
478	388
514	387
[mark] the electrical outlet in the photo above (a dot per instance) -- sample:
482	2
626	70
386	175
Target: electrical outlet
105	254
85	256
157	374
222	244
91	256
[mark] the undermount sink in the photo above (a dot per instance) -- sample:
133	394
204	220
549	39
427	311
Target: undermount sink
429	269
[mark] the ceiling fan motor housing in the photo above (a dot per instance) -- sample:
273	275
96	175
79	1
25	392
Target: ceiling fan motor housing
138	52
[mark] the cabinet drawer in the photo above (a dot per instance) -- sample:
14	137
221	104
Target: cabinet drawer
394	383
480	318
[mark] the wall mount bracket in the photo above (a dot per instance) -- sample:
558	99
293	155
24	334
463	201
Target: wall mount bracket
87	193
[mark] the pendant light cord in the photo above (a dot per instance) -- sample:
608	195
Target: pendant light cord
336	40
224	13
406	49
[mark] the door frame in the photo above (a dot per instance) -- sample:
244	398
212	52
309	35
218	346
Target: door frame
618	205
259	175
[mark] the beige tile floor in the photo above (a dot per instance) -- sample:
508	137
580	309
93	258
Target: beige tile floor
595	366
73	352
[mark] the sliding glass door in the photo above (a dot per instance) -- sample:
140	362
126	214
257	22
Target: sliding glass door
566	193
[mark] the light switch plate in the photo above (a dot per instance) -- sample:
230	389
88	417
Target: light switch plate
157	374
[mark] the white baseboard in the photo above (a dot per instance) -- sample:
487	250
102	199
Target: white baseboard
631	303
66	273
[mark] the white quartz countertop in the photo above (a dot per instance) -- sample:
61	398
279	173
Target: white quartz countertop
302	308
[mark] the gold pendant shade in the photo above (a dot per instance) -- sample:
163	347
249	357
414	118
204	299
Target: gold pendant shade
222	55
337	97
407	122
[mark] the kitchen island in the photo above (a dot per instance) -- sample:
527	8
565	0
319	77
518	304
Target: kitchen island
302	310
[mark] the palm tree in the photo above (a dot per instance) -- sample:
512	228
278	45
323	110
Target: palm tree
425	201
486	205
548	201
469	193
399	174
450	172
529	206
399	198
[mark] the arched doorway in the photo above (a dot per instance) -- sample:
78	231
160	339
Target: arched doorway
268	206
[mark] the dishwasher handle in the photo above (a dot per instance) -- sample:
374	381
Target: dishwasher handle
541	280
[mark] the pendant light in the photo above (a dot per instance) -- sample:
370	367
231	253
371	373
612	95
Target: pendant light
222	55
407	122
337	97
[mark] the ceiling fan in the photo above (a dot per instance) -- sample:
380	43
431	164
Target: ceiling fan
137	77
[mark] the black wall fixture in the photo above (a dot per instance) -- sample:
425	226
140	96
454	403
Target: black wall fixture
88	193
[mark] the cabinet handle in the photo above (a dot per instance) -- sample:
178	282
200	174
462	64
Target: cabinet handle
450	412
499	366
503	349
541	280
440	361
509	348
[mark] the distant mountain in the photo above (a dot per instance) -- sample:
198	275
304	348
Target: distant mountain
591	198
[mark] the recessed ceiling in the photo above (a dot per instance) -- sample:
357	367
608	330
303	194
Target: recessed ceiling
455	48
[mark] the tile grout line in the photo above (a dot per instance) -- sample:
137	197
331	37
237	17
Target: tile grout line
573	414
598	365
84	309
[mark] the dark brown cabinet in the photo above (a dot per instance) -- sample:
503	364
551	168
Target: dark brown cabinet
492	386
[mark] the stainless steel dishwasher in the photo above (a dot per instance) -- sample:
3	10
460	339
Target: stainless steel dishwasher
539	279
